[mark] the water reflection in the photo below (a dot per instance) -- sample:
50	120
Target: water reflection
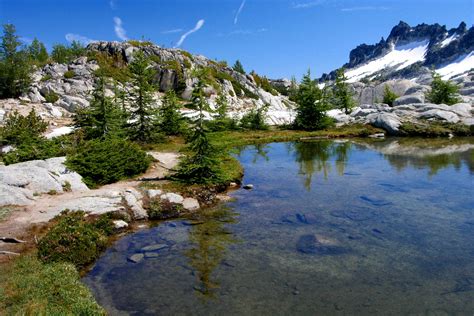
315	157
210	238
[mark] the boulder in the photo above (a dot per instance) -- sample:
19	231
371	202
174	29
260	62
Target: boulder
154	193
133	199
71	103
120	224
172	198
388	121
440	115
408	99
190	204
462	109
467	91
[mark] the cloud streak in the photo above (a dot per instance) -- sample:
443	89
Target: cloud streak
307	5
112	4
171	31
71	37
198	26
367	8
236	18
119	30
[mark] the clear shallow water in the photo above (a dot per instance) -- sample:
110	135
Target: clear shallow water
359	227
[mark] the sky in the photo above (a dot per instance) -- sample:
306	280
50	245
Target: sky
276	38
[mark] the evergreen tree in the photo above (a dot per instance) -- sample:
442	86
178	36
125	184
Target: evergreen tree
143	118
18	129
201	165
238	67
221	106
103	118
312	106
15	68
443	92
37	52
389	96
343	97
171	120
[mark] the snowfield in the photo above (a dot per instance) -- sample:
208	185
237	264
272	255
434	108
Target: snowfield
448	40
461	65
400	57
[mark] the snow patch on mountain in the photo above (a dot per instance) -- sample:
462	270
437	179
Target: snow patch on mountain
400	56
461	65
448	40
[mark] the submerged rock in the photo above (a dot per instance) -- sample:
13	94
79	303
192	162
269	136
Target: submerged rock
154	247
136	258
309	244
248	186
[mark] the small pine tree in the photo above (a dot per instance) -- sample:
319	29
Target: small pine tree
18	129
15	67
171	120
37	52
238	67
103	118
255	119
343	97
143	118
443	92
221	106
312	106
389	96
201	165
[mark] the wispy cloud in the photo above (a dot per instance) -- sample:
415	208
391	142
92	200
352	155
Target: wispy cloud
306	5
171	31
112	4
70	37
198	26
26	40
366	8
236	18
119	30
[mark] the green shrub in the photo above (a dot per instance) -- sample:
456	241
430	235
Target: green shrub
18	129
111	66
64	54
263	83
34	288
255	119
389	96
51	97
46	77
38	149
443	92
106	161
66	186
222	124
69	74
136	43
72	239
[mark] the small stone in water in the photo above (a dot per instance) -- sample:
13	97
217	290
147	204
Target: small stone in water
154	247
248	186
136	258
151	254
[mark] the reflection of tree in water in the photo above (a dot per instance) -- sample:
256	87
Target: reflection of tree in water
210	239
314	157
261	150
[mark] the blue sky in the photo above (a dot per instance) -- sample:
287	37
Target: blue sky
278	38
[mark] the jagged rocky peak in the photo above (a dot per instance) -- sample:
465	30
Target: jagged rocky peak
411	52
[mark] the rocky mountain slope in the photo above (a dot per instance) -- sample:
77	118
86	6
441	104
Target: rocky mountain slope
411	53
73	83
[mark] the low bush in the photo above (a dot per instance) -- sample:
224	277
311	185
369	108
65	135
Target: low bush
72	239
51	97
18	129
222	124
69	74
34	288
46	77
160	210
106	161
389	96
254	120
40	148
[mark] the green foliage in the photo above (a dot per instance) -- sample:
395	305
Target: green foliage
106	161
72	239
34	288
64	54
37	52
18	129
389	96
51	97
46	77
15	67
255	119
136	43
312	106
171	120
238	67
343	96
442	92
201	165
112	66
222	122
103	118
160	210
69	74
263	83
435	129
39	148
143	117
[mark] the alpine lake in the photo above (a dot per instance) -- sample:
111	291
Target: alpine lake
332	227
